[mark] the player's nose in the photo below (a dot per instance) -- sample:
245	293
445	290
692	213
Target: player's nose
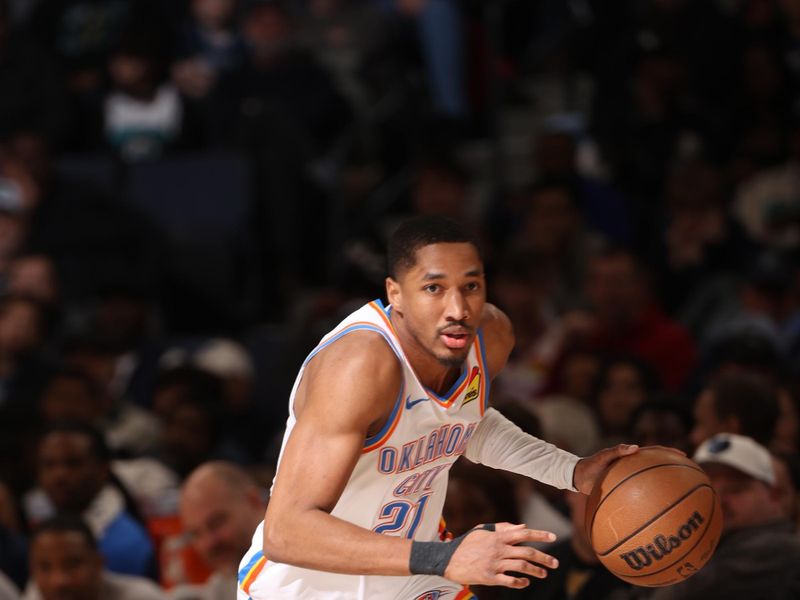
456	308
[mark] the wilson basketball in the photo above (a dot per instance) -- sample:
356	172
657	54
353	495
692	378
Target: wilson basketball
653	518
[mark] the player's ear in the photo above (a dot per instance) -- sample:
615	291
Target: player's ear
393	294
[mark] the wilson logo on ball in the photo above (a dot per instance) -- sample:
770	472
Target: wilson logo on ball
662	545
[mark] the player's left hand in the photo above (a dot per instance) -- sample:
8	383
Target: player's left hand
590	468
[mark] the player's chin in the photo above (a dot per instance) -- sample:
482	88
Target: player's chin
452	358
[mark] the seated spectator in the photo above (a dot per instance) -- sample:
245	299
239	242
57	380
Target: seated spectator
144	116
74	476
623	385
759	551
66	563
553	230
129	429
190	403
627	319
230	362
742	403
580	574
555	153
220	509
661	421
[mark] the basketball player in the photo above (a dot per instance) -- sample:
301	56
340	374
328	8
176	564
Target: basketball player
380	410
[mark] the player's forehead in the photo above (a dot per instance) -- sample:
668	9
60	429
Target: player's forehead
451	259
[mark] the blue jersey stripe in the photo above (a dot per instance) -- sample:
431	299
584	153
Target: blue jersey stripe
245	570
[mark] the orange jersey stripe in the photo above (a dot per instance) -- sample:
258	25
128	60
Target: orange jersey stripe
251	576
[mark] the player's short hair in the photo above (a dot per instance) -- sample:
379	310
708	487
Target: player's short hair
422	231
65	523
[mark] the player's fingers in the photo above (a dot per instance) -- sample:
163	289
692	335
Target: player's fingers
624	449
523	534
532	555
522	566
505	526
510	581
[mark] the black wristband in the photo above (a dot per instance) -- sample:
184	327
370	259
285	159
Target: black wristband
432	558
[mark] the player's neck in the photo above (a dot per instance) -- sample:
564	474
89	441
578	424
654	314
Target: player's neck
430	371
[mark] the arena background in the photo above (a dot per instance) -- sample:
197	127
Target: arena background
193	192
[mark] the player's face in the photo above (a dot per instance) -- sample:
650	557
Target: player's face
440	300
65	567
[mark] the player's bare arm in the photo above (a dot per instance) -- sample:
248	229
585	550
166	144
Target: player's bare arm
346	391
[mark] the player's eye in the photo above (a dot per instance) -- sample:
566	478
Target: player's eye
472	286
432	288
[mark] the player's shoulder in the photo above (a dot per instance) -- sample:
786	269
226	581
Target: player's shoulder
495	323
498	337
360	353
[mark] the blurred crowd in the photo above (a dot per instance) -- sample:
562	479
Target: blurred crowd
192	192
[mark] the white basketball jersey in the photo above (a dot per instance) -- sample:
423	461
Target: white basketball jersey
399	483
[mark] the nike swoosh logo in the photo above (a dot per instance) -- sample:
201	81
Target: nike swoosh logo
410	403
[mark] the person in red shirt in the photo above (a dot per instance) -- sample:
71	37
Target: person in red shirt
627	319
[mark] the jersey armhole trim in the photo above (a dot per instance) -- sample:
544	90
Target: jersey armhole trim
249	573
486	382
377	440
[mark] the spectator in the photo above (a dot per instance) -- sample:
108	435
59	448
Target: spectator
191	404
661	421
74	477
230	362
66	563
81	34
758	553
627	318
700	248
554	232
220	509
623	385
555	152
741	403
129	429
144	116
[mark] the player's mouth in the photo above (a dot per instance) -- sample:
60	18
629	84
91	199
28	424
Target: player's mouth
456	338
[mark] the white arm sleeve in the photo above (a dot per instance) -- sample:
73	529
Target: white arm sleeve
500	444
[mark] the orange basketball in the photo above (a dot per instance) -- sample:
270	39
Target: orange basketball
653	518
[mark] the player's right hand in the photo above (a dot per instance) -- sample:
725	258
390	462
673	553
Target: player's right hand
487	557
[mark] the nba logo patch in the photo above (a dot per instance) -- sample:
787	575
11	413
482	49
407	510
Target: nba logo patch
473	387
